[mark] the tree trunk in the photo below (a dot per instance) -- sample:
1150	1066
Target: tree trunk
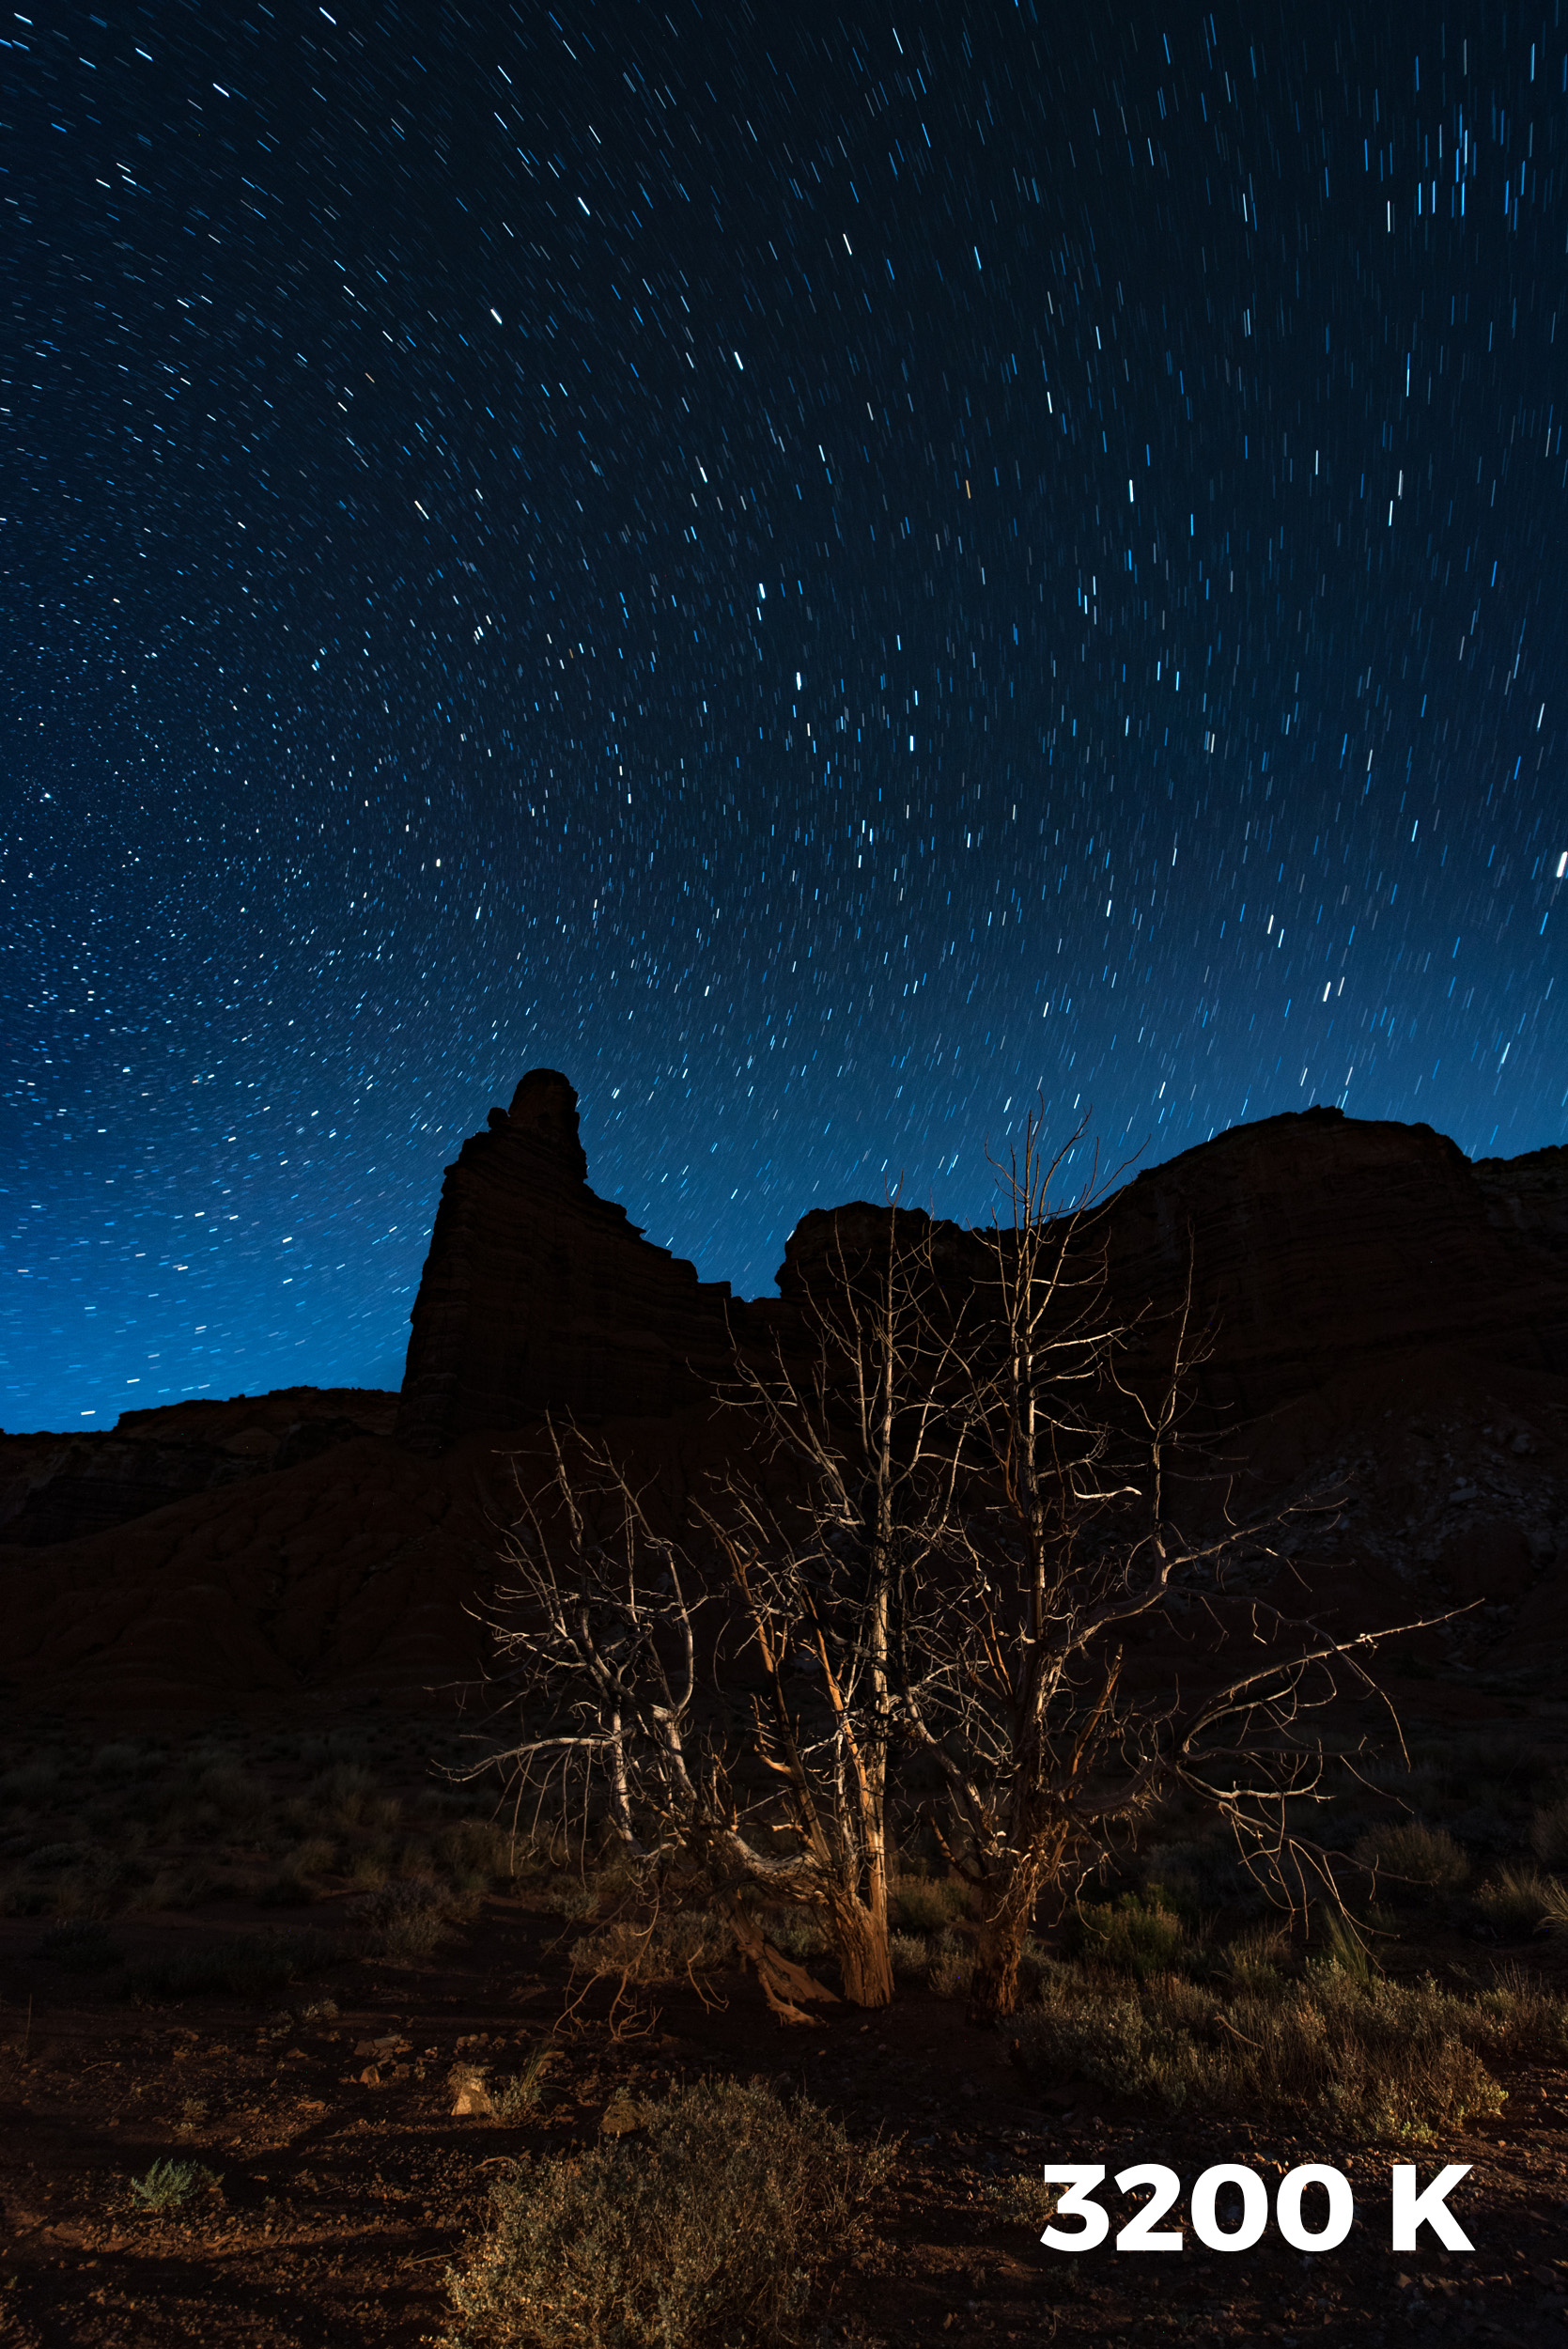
861	1939
994	1983
786	1986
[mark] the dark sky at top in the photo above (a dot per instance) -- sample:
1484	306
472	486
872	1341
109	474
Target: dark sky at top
819	572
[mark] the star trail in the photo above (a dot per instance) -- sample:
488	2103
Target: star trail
826	574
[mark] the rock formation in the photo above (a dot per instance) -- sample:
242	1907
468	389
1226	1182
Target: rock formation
56	1488
1316	1242
538	1295
1381	1313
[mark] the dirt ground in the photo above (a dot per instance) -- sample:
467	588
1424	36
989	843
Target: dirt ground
346	2182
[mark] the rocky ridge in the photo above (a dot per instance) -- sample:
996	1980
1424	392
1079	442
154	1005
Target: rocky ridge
1379	1309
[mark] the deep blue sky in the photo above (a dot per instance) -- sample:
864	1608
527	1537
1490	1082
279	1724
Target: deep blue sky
816	572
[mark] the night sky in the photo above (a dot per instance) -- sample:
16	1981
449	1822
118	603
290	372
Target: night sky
818	572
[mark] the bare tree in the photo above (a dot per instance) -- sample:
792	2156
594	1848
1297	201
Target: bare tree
598	1639
954	1516
1094	1521
863	1437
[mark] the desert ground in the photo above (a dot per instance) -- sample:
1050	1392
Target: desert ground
321	1980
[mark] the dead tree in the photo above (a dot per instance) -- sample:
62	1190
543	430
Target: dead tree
1093	1519
596	1640
959	1511
862	1439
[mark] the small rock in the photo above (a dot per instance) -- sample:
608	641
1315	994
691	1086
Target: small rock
469	2093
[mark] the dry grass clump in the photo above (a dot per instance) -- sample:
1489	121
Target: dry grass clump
1548	1834
1377	2059
515	2099
711	2227
1517	2016
1407	1856
1516	1902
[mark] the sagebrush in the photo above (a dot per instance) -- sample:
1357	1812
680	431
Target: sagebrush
714	2225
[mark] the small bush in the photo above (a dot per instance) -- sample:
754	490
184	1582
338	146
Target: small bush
84	1947
244	1963
668	1949
478	1852
951	1963
345	1791
1514	1902
170	2185
1020	2202
513	2100
925	1904
911	1957
1410	1859
406	1918
1376	2059
1517	2016
1137	1935
1256	1959
713	2224
1337	1943
797	1932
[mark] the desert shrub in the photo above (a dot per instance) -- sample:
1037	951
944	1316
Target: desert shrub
28	1781
295	1884
1548	1834
1335	1941
1409	1856
244	1963
910	1956
83	1946
1375	2059
1514	1902
1136	1934
798	1932
951	1963
406	1918
711	2225
1256	1960
478	1852
663	1949
572	1898
1020	2201
513	2099
1518	2016
925	1905
170	2185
